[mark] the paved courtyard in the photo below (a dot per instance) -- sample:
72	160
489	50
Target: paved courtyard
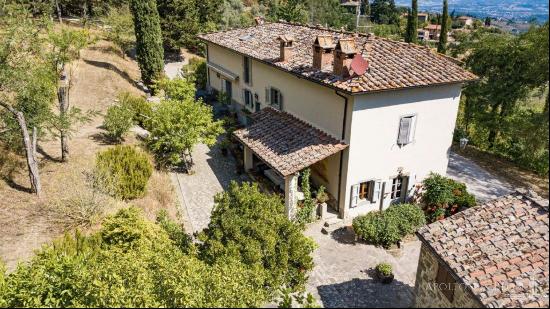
212	174
484	185
343	273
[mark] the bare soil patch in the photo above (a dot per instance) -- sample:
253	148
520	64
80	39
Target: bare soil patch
26	222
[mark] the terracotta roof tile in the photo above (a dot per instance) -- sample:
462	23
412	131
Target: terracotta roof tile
286	143
499	250
392	64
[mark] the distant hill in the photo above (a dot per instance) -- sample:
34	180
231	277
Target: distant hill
518	10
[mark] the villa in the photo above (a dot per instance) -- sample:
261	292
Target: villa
370	117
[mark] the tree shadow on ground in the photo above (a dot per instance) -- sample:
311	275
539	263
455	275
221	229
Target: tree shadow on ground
344	235
47	156
103	139
224	167
111	67
14	185
366	293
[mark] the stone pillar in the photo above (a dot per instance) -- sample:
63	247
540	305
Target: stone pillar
291	201
248	158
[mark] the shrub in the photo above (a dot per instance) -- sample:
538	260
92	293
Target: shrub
118	121
384	269
321	195
100	270
389	227
196	71
306	211
251	227
175	232
444	197
123	171
141	109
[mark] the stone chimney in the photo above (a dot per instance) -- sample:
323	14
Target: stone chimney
322	51
344	52
287	47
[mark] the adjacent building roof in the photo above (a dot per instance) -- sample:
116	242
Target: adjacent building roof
392	64
286	143
499	250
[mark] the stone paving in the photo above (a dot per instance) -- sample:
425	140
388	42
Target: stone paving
212	174
343	273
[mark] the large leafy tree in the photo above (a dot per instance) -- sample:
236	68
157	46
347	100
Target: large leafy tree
130	262
179	21
251	227
121	31
384	12
179	123
289	10
150	53
442	44
330	13
411	35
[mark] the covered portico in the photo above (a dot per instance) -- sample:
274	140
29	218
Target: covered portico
287	145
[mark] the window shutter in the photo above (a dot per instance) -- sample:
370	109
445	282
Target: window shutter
354	195
377	186
280	101
243	97
405	188
267	99
404	130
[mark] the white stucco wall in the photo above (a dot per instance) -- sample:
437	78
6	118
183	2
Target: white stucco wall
373	151
306	100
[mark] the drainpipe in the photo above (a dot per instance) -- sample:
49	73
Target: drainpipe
344	122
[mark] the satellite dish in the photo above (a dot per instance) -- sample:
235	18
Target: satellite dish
359	65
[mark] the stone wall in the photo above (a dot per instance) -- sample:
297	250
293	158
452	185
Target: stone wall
426	291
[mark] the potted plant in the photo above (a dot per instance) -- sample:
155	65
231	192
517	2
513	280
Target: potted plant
322	198
384	273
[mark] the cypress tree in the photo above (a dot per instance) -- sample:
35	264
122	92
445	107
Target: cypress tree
412	23
150	53
442	46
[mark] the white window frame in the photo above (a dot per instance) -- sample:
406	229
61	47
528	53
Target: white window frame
412	129
269	98
404	187
372	196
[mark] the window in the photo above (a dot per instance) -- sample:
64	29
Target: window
274	97
365	191
399	187
247	98
247	70
445	282
406	130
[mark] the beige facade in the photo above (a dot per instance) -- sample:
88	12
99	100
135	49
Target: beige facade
428	291
368	123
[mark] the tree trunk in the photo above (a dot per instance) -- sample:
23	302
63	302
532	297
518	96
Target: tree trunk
58	9
63	96
30	149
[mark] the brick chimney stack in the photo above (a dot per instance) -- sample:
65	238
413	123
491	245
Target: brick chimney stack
344	52
322	51
287	47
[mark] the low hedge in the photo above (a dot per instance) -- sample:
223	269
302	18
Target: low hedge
389	227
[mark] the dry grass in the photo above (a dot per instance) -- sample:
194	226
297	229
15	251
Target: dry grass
27	222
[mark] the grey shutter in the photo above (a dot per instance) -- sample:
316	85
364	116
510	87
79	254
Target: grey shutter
267	99
404	130
280	100
243	97
354	196
376	188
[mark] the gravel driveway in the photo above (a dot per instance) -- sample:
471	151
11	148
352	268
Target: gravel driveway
484	185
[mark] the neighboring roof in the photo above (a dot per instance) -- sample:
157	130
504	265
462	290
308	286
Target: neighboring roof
499	250
464	17
286	143
432	27
392	64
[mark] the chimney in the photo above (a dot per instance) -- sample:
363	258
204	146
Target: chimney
322	51
287	47
259	20
344	52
